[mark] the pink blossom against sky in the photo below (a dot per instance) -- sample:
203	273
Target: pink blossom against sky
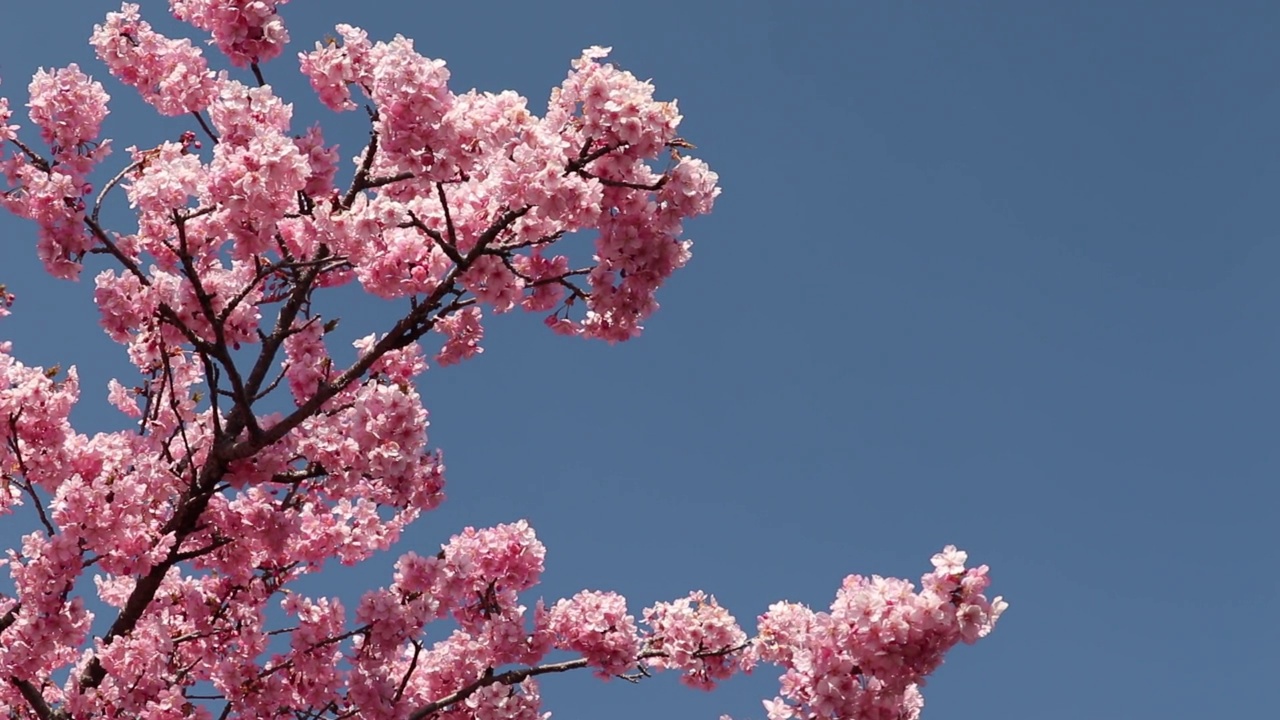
999	277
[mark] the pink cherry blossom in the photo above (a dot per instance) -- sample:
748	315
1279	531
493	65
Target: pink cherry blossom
246	31
597	625
252	452
68	107
698	636
464	333
331	68
7	132
950	561
171	75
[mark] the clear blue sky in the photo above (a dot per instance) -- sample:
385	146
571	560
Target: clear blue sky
998	274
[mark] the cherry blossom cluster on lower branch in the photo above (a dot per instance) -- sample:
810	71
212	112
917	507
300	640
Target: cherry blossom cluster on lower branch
251	456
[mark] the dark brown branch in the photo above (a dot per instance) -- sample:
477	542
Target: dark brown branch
450	250
211	378
26	484
10	617
102	194
312	471
413	666
34	698
513	677
32	156
264	271
213	137
115	251
370	183
323	643
361	179
200	552
584	159
657	185
544	240
176	409
448	218
242	414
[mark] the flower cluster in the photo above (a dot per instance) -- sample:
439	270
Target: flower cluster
696	635
245	31
171	75
867	657
69	108
596	624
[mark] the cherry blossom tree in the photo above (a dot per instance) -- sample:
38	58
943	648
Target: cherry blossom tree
248	456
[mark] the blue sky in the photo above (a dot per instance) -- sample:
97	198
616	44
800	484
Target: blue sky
996	274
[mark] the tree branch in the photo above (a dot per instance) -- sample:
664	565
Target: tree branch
512	677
